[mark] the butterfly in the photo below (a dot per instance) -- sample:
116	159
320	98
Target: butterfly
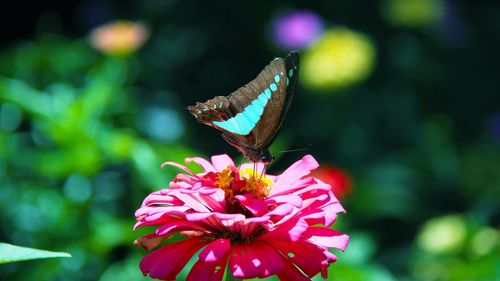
250	117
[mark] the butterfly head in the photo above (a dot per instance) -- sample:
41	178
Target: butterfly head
259	155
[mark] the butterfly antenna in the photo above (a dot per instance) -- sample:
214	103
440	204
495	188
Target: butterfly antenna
297	149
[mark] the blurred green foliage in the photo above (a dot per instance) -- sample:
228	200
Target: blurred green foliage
82	134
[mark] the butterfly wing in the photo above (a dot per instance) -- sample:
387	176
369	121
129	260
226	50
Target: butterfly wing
250	117
220	110
281	100
213	110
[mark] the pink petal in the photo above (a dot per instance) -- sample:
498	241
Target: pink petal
157	218
299	169
287	198
160	199
291	273
306	189
255	259
198	216
184	168
166	262
210	191
296	232
190	201
216	250
213	271
331	213
281	210
183	181
256	206
155	213
315	216
215	200
221	162
331	257
249	226
308	257
290	229
177	226
204	164
298	186
327	237
150	241
230	217
219	216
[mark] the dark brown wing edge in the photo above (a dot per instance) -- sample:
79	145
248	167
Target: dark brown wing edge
291	62
216	109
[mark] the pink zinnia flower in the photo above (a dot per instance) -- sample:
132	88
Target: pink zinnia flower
258	225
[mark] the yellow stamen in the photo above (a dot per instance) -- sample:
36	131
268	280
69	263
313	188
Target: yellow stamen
251	183
257	183
224	179
257	187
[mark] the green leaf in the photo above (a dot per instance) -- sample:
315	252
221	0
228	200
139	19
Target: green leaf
25	96
13	253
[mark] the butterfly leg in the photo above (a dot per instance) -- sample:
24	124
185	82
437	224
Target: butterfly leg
263	171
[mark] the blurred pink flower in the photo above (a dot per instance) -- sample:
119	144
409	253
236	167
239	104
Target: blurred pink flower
119	37
258	225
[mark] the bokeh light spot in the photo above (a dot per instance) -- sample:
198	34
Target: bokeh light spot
412	13
10	117
119	38
485	241
161	123
443	234
340	58
297	29
77	188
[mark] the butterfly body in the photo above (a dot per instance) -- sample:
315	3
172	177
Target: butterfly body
250	117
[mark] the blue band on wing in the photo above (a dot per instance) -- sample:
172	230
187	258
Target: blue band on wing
245	121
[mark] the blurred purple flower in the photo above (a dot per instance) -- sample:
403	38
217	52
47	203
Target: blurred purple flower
453	29
297	29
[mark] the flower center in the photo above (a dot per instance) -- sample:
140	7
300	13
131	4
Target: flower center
224	179
242	182
256	183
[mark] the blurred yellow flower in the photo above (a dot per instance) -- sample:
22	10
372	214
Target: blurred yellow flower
412	13
443	234
340	58
119	37
485	241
